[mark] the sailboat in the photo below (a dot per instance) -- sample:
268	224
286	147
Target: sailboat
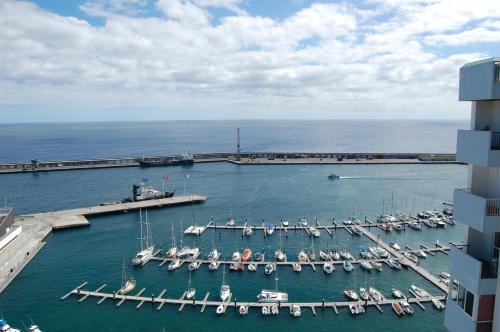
127	284
225	290
214	254
363	293
147	246
173	250
279	255
272	296
190	292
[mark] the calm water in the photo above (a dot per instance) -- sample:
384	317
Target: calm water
23	142
95	254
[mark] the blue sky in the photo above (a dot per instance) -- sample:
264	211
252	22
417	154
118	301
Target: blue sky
85	60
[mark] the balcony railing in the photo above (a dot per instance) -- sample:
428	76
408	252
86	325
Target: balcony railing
492	204
495	140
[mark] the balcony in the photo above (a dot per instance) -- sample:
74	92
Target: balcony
456	320
481	148
480	213
477	276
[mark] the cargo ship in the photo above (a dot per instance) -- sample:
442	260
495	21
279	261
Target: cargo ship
184	160
141	192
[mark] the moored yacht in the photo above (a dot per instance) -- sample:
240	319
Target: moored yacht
348	267
366	265
147	246
419	291
4	327
127	284
375	294
328	267
174	264
397	293
363	294
247	254
225	290
356	309
295	310
269	268
351	294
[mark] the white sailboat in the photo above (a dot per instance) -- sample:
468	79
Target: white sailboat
147	246
225	290
173	249
127	284
190	292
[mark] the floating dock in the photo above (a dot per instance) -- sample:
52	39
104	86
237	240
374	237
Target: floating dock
203	303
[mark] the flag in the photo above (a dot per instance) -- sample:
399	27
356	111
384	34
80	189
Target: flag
165	178
187	176
144	180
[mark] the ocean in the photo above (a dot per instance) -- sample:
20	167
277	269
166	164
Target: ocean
63	141
95	254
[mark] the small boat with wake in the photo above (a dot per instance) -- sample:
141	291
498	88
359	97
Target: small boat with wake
333	177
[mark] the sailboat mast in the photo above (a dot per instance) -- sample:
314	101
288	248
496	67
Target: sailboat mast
142	235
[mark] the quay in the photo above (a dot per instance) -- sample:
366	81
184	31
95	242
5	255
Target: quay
244	158
202	304
35	228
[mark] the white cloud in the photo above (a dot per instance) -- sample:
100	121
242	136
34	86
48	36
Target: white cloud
325	60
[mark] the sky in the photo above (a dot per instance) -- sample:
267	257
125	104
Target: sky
130	60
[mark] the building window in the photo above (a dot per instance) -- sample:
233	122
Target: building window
497	71
469	303
465	300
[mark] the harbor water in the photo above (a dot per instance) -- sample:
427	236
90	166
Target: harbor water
95	254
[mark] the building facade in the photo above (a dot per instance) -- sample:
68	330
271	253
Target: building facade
472	305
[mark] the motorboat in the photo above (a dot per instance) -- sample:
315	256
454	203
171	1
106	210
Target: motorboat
272	296
303	257
236	256
438	304
406	307
378	252
373	251
348	222
356	309
429	223
269	268
323	256
269	229
412	257
284	222
275	310
397	293
445	275
375	294
333	177
356	230
34	328
258	257
376	265
188	253
397	226
415	225
303	222
395	246
394	263
243	310
252	267
213	265
237	266
295	310
279	255
265	310
348	267
297	267
363	294
364	253
387	227
419	291
247	231
351	294
213	255
220	309
174	264
421	253
5	327
247	254
230	222
328	267
366	265
398	309
194	265
314	231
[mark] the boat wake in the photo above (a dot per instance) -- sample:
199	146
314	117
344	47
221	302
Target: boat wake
391	178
